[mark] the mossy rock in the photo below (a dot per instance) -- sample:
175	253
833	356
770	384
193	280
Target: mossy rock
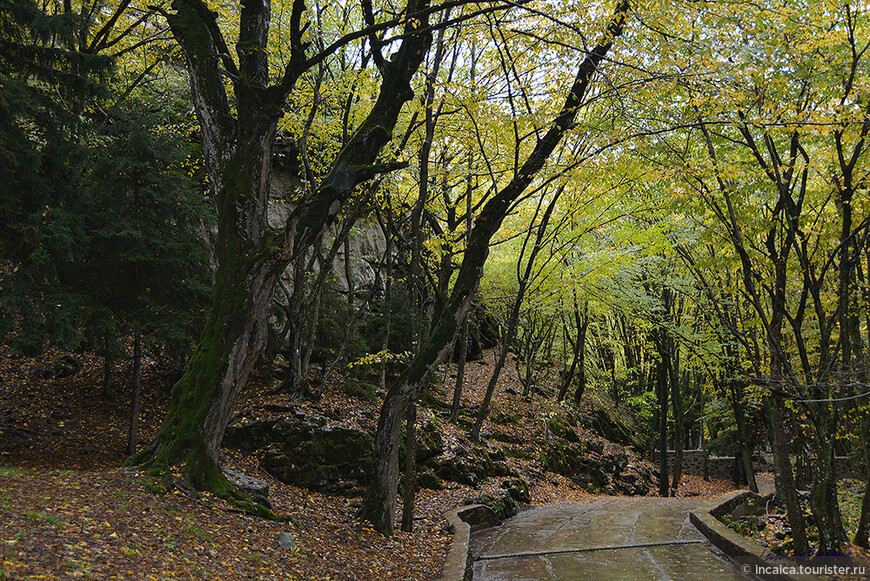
562	429
593	470
430	444
430	481
518	489
362	389
503	505
332	460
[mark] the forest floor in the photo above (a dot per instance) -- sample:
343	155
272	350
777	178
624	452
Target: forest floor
68	510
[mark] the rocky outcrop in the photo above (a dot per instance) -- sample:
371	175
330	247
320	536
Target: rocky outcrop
307	452
473	465
592	468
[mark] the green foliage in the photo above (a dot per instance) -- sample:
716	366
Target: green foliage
118	248
99	210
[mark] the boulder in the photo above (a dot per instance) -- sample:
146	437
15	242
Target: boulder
430	481
503	505
518	489
479	517
594	470
473	466
330	459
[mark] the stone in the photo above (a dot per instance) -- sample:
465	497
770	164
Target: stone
286	541
429	444
518	489
594	470
330	459
479	517
247	484
429	481
66	366
503	505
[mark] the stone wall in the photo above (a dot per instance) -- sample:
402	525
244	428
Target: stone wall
722	467
719	467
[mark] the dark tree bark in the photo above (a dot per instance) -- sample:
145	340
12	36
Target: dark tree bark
778	246
379	505
578	354
737	405
133	434
410	468
661	382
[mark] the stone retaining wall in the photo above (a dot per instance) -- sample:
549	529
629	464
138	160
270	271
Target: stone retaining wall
722	467
718	467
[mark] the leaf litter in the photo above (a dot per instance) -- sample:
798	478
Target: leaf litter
68	511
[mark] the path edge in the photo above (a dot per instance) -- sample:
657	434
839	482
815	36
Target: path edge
458	564
745	552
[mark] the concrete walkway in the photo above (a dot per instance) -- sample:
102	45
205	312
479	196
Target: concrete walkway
644	527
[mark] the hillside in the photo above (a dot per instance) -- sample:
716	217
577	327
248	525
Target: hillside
68	510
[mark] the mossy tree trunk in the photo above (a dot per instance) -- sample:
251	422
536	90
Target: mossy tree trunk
237	136
379	504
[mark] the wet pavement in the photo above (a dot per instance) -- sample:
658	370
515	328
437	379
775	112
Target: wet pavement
619	538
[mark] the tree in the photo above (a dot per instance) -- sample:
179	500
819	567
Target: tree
237	134
769	158
380	501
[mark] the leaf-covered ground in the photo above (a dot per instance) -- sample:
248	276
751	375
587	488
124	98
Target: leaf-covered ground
68	511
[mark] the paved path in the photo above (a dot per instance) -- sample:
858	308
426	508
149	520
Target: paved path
608	522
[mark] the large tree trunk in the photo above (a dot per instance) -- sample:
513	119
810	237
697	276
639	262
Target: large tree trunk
662	395
133	434
379	505
743	434
785	486
823	497
203	400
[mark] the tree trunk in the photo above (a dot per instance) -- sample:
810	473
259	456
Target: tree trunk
410	468
133	435
108	380
388	294
743	435
460	373
203	400
862	534
578	354
823	497
679	435
662	394
237	137
785	487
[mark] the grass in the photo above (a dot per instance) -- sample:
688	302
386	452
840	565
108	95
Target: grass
11	471
36	516
198	532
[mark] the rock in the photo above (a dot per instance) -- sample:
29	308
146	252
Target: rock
518	489
479	517
473	466
506	438
594	470
430	481
328	460
66	366
504	505
247	484
429	444
286	541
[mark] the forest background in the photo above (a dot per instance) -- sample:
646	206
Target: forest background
663	200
